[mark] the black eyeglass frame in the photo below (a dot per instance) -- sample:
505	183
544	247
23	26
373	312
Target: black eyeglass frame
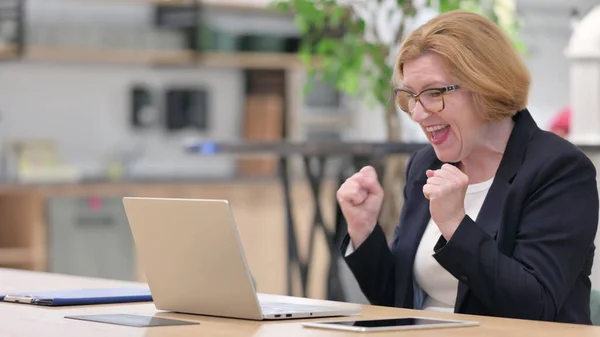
416	97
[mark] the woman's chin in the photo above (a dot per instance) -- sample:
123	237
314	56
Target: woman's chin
447	151
446	155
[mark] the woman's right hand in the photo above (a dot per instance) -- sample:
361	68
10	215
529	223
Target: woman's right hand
360	198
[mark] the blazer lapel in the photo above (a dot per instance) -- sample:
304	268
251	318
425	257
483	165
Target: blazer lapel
418	207
490	216
489	219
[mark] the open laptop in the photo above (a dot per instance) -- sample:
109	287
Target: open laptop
193	260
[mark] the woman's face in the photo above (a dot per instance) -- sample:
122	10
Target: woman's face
455	130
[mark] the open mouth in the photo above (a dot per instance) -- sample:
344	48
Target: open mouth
438	133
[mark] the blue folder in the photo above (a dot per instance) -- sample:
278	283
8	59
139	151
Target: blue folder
80	296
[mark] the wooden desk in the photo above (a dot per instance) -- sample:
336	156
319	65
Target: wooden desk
32	321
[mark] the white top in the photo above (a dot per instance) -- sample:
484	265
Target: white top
439	285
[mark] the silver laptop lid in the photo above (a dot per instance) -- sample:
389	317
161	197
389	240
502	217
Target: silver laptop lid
192	257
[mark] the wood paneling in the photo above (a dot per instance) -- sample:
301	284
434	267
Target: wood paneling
263	122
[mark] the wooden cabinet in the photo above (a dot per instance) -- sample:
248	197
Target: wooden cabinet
22	230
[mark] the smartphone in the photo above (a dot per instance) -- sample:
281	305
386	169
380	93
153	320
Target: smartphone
391	324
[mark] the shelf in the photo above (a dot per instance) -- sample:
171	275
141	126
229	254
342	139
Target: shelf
245	5
254	5
248	60
8	51
14	256
326	121
251	60
73	54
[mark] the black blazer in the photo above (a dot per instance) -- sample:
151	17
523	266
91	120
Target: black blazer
529	253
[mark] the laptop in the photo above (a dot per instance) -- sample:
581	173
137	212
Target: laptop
194	263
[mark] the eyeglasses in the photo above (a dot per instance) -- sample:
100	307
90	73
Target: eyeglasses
431	99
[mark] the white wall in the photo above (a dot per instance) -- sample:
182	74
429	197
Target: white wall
86	110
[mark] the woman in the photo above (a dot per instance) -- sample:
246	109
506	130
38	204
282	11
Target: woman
499	216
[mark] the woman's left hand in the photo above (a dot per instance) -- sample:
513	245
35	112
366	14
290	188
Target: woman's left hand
446	189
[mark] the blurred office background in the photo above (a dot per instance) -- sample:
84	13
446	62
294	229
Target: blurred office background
99	97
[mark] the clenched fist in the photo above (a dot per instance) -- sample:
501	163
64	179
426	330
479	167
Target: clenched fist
360	198
446	189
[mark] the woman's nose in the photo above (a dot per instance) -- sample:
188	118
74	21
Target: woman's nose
419	114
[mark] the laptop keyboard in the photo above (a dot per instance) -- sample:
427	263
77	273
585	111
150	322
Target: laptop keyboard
282	308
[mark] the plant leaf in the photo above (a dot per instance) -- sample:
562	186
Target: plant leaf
349	80
281	5
302	24
521	47
361	26
449	5
327	46
336	17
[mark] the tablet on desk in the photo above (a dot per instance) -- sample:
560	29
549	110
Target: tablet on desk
391	324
